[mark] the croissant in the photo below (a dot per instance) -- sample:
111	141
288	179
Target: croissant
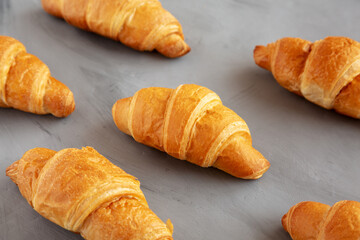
326	72
140	24
190	123
26	84
83	192
317	221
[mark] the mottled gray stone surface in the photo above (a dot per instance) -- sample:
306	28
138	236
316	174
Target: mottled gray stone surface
314	152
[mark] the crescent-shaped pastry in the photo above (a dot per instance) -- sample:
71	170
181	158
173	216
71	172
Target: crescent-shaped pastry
318	221
191	123
26	83
83	192
326	72
143	25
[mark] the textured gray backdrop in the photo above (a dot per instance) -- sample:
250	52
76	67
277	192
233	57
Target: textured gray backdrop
314	152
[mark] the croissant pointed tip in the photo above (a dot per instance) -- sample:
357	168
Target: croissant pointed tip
173	46
58	99
114	112
52	7
283	221
12	171
261	172
262	57
120	112
66	106
69	104
258	174
258	48
170	226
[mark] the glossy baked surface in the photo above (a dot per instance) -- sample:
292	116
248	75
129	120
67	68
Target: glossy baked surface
314	152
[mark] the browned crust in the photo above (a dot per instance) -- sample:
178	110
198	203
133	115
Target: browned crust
322	71
313	220
190	123
348	100
303	220
26	84
83	192
148	28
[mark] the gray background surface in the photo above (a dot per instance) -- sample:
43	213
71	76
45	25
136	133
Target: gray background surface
314	152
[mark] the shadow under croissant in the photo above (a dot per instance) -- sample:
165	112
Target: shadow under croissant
13	113
282	101
148	157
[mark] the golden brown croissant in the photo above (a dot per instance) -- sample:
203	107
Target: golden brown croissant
83	192
190	123
26	84
326	72
140	24
317	221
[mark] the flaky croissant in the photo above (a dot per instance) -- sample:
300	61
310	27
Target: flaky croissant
317	221
83	192
143	25
326	72
26	84
191	123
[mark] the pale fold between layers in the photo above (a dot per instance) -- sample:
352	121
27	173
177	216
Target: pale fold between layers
38	90
140	24
9	49
190	123
93	191
83	192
